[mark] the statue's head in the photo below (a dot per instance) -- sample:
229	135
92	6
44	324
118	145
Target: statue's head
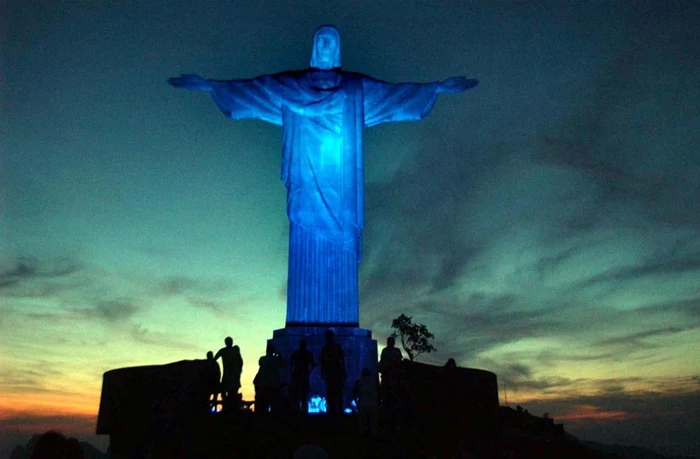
326	52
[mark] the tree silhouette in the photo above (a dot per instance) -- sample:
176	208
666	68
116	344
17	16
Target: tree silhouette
415	338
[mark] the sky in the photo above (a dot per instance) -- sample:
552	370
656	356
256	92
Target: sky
543	225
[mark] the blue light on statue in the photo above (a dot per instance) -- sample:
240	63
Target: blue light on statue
323	111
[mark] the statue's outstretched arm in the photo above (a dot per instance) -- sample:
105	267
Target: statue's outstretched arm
258	98
456	84
191	82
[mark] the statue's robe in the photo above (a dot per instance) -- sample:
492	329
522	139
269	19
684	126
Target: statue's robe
322	114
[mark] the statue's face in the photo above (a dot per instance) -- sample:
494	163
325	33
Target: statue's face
326	52
326	48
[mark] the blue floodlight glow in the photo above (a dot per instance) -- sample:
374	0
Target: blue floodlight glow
317	404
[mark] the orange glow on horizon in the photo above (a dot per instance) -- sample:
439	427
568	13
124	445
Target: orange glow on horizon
48	405
593	413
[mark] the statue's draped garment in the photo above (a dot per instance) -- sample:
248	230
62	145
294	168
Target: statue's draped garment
322	113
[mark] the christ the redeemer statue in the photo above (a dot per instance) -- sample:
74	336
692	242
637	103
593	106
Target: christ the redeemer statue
322	111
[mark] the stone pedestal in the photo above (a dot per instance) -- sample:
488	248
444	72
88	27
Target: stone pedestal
357	343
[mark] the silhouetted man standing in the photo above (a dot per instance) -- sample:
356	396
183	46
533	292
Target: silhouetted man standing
333	373
302	363
213	378
390	368
233	366
365	393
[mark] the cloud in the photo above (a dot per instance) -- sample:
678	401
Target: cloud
75	292
418	239
687	264
282	292
27	272
689	307
469	329
635	147
208	305
176	285
637	339
148	337
112	311
38	376
524	345
520	377
35	380
199	293
186	285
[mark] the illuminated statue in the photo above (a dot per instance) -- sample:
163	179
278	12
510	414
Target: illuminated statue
322	111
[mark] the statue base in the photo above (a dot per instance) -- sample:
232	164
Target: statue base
357	343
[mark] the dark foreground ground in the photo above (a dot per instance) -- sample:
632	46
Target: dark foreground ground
245	435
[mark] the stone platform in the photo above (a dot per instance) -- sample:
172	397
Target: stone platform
357	343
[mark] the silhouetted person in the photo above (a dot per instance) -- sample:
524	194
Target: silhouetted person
452	400
233	366
366	395
302	363
268	381
333	373
390	369
54	445
212	380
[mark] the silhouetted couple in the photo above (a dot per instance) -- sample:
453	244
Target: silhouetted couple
332	362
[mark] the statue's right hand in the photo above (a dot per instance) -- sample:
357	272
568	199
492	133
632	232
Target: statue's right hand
191	82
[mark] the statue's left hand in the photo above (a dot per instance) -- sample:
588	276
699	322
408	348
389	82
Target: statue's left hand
457	84
191	82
